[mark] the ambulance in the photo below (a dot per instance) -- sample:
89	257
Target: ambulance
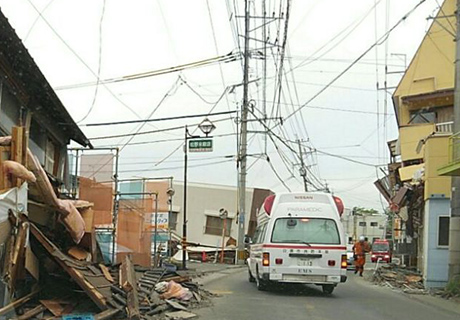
299	239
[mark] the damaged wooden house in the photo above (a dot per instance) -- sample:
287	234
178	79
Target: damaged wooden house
39	228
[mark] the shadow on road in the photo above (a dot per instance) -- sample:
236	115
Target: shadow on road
298	290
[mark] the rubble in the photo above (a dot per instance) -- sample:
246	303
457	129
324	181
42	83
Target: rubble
397	277
52	266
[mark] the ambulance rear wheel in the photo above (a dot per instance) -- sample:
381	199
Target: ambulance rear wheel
261	284
328	288
250	276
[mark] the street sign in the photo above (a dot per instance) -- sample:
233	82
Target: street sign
202	145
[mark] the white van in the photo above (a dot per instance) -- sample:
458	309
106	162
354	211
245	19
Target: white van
299	239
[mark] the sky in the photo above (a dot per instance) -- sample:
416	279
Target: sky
75	43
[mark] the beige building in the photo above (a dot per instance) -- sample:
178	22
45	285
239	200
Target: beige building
204	201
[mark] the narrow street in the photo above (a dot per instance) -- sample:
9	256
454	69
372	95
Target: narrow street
356	299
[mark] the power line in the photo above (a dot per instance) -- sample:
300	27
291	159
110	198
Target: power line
36	20
96	89
81	59
158	119
313	59
165	140
380	40
201	63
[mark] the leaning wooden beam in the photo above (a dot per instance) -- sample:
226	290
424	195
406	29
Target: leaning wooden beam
18	302
129	285
59	257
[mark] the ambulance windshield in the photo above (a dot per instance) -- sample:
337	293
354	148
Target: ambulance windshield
305	230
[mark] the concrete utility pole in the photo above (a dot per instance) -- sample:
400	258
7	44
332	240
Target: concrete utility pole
303	170
454	233
244	138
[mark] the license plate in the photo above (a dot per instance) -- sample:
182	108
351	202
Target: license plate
303	262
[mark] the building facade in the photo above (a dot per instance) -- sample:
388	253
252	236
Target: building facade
418	195
371	226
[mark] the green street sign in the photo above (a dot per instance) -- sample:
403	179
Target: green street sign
202	145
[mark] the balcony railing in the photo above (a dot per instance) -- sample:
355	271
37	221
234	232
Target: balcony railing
454	148
445	127
453	166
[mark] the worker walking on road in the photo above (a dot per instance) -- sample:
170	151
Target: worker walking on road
359	250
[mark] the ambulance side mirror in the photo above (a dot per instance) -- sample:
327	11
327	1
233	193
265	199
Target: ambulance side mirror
247	240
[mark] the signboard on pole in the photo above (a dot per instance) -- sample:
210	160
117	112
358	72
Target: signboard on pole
162	221
201	145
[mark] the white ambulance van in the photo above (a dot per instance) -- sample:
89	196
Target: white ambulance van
299	239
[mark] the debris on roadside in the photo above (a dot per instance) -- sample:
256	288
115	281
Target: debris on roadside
51	265
396	277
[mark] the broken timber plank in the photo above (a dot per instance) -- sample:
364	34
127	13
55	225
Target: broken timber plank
176	305
32	312
18	302
180	315
17	139
92	292
17	262
129	285
107	314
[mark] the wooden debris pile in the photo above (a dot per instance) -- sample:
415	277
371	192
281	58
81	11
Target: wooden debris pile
394	277
107	292
50	262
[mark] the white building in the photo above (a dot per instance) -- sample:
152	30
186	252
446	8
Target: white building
371	226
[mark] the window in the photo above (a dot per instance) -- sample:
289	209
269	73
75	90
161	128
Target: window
259	234
374	224
362	224
303	230
443	231
214	226
423	116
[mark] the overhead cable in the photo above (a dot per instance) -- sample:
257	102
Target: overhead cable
158	119
220	59
377	43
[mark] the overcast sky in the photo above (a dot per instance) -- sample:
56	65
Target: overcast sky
74	41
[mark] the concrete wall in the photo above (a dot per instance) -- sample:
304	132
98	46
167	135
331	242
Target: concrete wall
435	257
435	156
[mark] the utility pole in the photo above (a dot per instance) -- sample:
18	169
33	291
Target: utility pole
454	233
303	170
244	141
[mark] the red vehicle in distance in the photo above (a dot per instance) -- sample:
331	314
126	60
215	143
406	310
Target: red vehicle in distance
381	251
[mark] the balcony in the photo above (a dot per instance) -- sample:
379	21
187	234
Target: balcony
453	166
445	127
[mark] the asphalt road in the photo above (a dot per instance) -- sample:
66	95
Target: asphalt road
354	300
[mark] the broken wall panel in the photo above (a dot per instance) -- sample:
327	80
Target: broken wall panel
133	230
102	197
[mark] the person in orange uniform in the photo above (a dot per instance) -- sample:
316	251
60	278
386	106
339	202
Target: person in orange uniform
359	249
